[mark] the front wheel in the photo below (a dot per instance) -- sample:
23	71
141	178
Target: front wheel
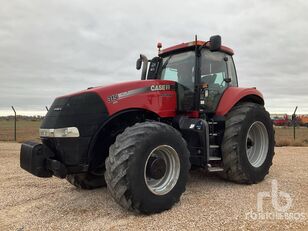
147	167
248	144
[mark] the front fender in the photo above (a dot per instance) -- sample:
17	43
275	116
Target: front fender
233	95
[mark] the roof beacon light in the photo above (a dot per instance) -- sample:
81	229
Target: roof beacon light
159	46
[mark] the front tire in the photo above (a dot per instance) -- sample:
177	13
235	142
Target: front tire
147	167
248	144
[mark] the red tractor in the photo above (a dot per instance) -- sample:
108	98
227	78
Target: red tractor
141	138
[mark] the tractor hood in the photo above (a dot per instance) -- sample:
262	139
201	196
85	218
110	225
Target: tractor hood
158	96
109	93
144	94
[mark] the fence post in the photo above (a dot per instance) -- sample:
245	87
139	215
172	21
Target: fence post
14	123
294	121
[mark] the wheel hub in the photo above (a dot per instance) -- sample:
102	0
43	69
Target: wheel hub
257	144
250	143
156	168
162	170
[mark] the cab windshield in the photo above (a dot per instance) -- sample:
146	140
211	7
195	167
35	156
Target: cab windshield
180	68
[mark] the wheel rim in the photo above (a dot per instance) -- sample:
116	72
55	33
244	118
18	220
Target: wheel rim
257	144
162	170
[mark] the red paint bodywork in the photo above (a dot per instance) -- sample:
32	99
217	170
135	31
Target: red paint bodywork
232	95
163	103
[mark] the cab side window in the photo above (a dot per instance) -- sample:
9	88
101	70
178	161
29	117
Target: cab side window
213	68
170	74
213	74
232	71
180	68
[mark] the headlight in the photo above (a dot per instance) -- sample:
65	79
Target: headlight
59	132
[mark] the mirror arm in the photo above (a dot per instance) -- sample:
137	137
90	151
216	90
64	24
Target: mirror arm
228	79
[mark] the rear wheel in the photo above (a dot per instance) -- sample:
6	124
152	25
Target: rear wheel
147	167
248	144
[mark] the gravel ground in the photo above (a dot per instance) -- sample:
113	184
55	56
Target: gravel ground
209	203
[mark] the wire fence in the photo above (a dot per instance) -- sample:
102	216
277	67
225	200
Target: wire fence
21	128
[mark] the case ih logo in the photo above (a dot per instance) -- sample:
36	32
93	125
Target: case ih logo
114	98
160	87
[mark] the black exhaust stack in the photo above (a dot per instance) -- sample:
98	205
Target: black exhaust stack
143	59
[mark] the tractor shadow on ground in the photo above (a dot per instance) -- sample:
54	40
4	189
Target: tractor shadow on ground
198	175
84	201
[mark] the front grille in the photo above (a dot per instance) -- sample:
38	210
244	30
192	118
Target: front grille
85	111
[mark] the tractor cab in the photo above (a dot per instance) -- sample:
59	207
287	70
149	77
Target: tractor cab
202	71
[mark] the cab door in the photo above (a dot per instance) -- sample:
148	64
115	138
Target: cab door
180	68
217	73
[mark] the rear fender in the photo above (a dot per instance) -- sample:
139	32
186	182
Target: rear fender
234	95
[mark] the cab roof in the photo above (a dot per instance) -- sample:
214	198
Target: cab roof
191	44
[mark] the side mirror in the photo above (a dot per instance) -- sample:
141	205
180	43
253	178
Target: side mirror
215	43
138	64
